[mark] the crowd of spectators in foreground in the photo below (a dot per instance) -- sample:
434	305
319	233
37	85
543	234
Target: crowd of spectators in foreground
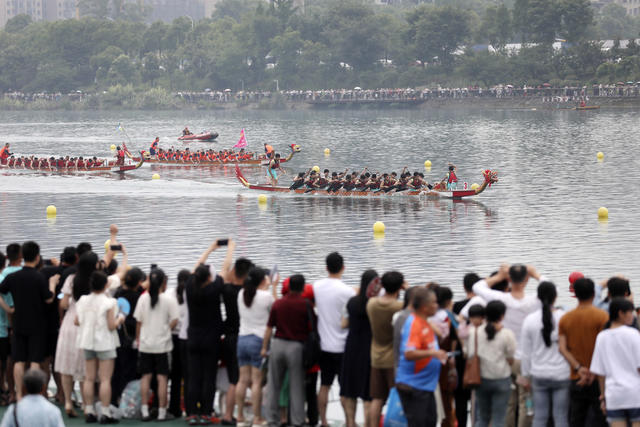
141	350
546	92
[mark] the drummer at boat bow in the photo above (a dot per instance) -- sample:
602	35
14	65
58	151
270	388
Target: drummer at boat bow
4	152
273	168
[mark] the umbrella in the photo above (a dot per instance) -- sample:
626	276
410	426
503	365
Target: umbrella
546	84
629	83
227	90
620	83
357	88
510	86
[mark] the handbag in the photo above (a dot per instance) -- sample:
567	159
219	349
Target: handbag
311	350
472	376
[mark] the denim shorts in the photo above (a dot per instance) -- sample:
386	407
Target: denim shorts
100	355
249	347
631	414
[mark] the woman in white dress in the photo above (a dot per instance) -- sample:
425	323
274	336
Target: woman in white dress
69	360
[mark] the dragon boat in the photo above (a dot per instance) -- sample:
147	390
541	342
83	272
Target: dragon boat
206	136
259	161
438	191
103	166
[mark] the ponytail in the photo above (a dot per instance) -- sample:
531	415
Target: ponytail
547	295
183	277
157	278
255	276
494	311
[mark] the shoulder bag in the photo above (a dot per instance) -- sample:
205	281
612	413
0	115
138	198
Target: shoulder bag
472	376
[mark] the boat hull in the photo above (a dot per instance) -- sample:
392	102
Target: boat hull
209	136
456	194
109	167
589	107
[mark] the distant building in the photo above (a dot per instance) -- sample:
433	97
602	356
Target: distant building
38	10
632	6
168	10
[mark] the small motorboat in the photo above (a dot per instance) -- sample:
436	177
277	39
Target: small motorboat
206	136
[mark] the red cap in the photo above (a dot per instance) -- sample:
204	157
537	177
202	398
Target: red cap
573	277
306	293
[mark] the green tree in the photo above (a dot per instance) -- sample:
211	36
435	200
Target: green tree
496	26
235	9
122	71
17	23
150	68
577	19
437	32
286	49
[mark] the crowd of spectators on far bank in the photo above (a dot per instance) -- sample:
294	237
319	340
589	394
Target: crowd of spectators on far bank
502	355
546	92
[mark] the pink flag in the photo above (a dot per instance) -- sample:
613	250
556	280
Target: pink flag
242	142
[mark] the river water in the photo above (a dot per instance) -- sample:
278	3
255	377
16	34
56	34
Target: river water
543	211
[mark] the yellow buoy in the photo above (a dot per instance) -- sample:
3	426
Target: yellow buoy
113	147
327	151
155	176
51	210
474	186
378	227
427	163
603	212
600	155
262	198
316	169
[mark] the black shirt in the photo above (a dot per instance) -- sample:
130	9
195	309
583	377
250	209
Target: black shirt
30	291
459	305
53	313
230	293
128	333
205	317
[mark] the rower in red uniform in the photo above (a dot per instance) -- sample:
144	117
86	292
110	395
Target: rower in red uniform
120	156
4	152
452	179
153	150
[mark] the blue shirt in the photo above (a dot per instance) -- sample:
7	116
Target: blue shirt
4	321
33	411
421	374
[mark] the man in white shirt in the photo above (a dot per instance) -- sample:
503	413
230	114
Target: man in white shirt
331	296
519	306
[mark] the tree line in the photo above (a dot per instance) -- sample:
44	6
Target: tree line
254	45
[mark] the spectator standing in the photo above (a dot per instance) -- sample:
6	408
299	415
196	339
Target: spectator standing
420	361
157	315
233	280
290	317
543	362
14	256
177	362
30	294
578	330
462	395
254	304
34	409
398	323
496	347
69	360
331	296
97	318
380	311
519	305
356	366
615	361
203	291
125	369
